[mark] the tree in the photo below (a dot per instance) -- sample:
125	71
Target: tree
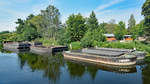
146	13
20	26
30	32
51	21
120	30
92	21
92	36
38	21
138	30
76	27
110	27
131	23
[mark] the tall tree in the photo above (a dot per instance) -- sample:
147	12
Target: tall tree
76	27
131	23
120	30
92	21
51	21
146	13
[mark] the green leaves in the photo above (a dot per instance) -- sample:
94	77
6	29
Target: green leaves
120	31
131	23
146	13
92	22
76	27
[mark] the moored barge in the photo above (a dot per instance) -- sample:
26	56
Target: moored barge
38	48
105	57
16	46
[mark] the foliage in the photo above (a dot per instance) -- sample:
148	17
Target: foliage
131	23
76	27
64	37
120	31
110	27
92	36
47	41
37	21
1	44
30	33
51	22
75	45
4	32
146	13
130	45
44	25
92	22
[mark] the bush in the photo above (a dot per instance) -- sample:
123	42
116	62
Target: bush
75	45
91	38
130	45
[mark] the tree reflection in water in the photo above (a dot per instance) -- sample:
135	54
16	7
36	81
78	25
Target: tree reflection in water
77	69
49	64
146	74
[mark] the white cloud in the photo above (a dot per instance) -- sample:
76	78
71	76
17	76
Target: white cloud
113	2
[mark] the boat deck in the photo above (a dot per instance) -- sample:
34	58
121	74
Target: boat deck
102	52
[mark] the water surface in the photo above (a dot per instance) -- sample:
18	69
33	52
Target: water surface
28	68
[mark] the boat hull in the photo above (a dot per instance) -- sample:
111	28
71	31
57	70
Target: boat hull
101	59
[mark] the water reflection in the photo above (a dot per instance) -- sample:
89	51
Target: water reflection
77	69
50	65
146	73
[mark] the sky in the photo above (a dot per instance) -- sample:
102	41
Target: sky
120	10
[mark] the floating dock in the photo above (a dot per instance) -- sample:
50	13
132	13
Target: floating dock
47	50
36	47
110	56
120	60
16	46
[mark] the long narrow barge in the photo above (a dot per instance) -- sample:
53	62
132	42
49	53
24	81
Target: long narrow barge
120	60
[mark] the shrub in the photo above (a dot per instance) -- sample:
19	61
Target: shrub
75	45
91	38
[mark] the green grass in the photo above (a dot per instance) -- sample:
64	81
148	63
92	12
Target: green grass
46	41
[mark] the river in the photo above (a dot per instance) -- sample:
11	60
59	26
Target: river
28	68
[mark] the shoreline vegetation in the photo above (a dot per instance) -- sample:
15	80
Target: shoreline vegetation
79	32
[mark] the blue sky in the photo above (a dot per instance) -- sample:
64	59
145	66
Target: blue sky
104	9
